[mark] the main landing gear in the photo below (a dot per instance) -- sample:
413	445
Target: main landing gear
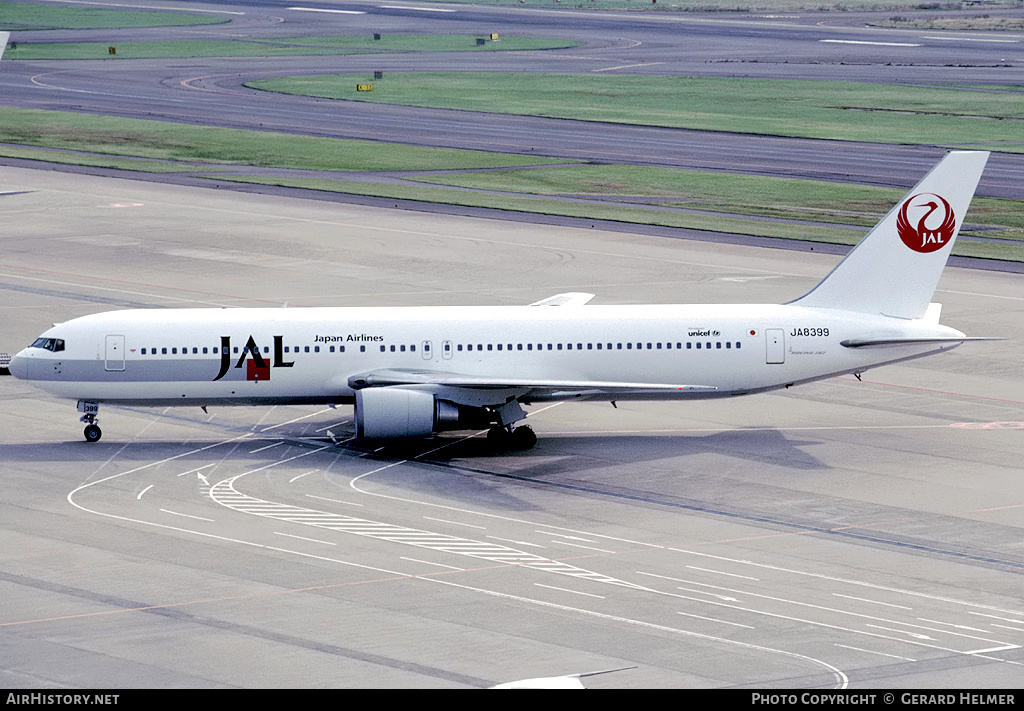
505	437
92	430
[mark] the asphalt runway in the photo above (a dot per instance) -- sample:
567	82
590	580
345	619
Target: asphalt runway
845	533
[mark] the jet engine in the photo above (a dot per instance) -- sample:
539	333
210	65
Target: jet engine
392	412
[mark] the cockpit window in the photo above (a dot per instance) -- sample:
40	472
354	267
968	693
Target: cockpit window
50	344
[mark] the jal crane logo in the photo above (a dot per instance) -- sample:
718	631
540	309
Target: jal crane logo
932	232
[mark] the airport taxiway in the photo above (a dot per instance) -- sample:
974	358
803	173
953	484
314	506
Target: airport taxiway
845	533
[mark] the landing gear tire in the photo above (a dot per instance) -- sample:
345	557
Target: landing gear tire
523	437
93	433
499	437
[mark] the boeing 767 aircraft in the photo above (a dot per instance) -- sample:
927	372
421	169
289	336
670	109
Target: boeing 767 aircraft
413	371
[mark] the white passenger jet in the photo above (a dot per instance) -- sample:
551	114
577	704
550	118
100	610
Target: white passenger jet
414	371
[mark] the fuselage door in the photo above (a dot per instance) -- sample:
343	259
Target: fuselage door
446	350
114	353
428	352
776	340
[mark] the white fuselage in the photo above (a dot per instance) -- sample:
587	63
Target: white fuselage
307	355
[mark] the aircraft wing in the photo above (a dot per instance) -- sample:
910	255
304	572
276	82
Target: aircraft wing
572	298
391	377
4	36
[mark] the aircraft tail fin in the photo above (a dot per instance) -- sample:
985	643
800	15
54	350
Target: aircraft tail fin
894	270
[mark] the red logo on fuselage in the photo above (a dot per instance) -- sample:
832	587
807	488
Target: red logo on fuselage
930	234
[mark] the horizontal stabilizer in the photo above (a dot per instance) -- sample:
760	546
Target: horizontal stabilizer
882	342
572	298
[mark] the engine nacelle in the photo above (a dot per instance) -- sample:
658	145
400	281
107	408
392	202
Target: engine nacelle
393	413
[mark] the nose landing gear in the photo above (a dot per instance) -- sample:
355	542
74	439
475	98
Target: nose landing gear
92	430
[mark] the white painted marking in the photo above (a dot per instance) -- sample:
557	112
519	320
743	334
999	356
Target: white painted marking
712	619
427	562
731	575
915	635
950	624
519	543
882	44
876	602
282	424
575	592
269	446
455	523
341	422
841	678
197	469
1006	627
564	535
579	545
974	39
996	617
627	66
993	649
871	651
139	497
175	513
333	12
294	479
410	7
303	538
335	501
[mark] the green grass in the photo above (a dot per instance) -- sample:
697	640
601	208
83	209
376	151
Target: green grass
490	181
836	110
279	47
739	6
164	140
778	198
44	16
1006	250
99	161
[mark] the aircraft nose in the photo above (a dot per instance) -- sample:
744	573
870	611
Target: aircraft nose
19	366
